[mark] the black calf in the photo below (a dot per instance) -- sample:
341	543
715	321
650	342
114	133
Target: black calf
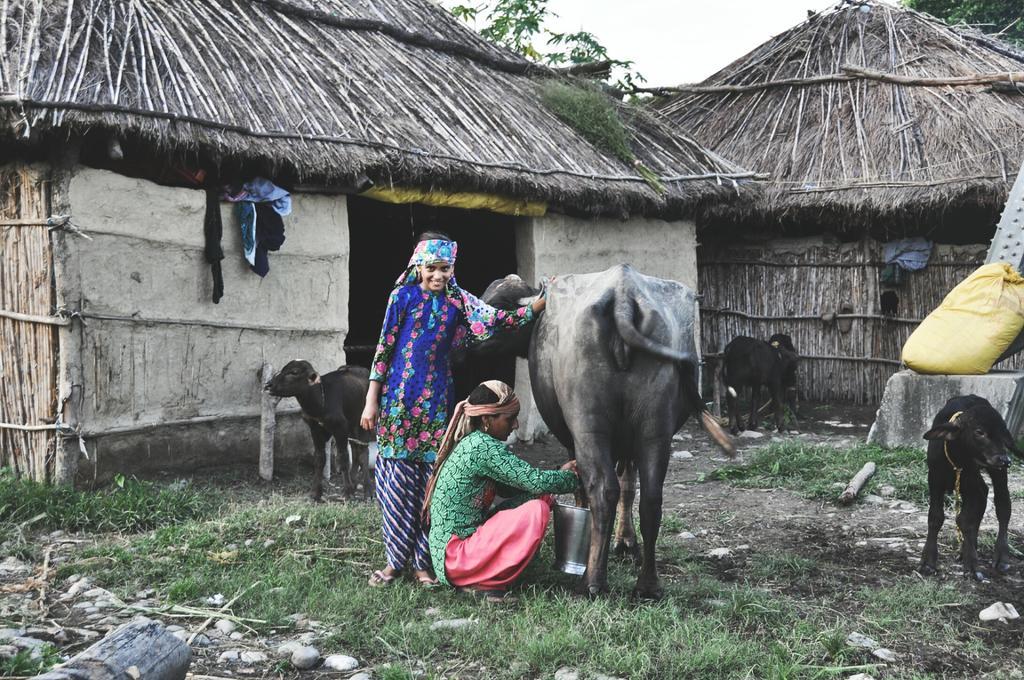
331	405
967	436
748	362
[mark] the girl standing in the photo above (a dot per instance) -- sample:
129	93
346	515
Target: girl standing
411	387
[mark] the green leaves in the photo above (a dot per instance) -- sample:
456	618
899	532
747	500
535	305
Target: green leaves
1001	17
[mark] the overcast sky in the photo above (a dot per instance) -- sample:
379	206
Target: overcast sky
678	41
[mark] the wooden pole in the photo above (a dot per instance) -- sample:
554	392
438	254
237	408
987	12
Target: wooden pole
142	649
857	483
268	424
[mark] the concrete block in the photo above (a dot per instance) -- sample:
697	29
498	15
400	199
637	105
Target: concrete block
911	401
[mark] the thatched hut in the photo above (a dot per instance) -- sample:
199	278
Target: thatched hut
874	123
119	120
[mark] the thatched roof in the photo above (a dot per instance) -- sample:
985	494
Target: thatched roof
820	110
328	91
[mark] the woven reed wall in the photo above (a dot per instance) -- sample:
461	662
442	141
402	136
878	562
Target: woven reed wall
789	285
29	350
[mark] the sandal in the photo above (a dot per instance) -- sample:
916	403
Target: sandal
379	579
426	581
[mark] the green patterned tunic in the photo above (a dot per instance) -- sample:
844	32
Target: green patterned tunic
478	468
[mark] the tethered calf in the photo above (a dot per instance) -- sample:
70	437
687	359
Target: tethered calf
331	404
968	436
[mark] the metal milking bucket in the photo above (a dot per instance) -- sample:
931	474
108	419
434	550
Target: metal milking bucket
572	538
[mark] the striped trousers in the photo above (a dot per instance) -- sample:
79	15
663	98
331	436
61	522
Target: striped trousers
401	486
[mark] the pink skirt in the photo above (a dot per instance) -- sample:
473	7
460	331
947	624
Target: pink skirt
498	552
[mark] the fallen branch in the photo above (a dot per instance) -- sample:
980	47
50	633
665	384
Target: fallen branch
857	483
43	577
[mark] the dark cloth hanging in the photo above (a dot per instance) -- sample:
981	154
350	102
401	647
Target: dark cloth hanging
269	236
213	231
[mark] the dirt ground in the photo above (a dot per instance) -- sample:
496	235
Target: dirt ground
871	544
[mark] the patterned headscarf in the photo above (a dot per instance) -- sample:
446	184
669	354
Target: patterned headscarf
460	426
429	252
479	315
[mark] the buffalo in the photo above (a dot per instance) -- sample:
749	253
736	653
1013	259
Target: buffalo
613	367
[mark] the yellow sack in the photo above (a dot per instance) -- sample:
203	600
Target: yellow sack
974	324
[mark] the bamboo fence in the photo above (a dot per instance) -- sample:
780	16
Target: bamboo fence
775	288
28	357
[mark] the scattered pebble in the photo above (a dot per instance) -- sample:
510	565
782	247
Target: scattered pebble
887	490
681	455
860	640
750	434
431	611
252	657
451	623
687	536
566	673
861	676
228	657
226	626
1001	611
292	519
361	676
287	648
216	600
248	542
885	654
305	658
340	662
236	635
719	553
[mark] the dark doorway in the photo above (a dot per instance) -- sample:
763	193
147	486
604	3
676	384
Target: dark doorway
382	236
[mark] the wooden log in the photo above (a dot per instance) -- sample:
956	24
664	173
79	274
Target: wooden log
857	483
141	649
268	424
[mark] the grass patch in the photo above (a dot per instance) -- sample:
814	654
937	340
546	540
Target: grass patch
129	506
813	471
703	628
22	664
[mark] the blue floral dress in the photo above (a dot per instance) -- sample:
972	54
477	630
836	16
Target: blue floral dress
411	362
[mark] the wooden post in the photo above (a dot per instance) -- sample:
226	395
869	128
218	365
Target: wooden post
141	649
857	483
268	424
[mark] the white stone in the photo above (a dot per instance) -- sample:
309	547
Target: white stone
229	656
361	676
452	624
292	519
287	648
884	654
887	490
236	635
687	536
872	498
200	641
226	626
566	673
252	657
216	600
8	633
861	676
431	611
743	547
305	658
860	640
719	553
340	662
681	455
1001	611
750	434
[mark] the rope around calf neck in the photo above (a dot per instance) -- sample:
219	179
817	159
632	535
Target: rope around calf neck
957	502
